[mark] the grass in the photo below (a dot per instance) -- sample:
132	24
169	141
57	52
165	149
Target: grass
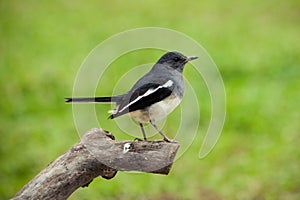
255	44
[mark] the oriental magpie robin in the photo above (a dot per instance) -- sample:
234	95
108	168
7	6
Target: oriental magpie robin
153	96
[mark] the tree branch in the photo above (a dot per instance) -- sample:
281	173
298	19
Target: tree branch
98	154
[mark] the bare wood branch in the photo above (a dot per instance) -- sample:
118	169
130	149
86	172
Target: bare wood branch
97	154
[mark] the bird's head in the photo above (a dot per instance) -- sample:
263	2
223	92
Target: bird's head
175	60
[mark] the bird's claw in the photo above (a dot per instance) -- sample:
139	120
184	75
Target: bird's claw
139	139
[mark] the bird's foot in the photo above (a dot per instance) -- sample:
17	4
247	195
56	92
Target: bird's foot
169	140
139	139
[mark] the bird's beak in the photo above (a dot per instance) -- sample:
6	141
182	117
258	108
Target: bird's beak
189	58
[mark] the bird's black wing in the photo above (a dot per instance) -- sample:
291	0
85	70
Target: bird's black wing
143	97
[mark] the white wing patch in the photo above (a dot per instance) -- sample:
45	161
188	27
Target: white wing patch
169	83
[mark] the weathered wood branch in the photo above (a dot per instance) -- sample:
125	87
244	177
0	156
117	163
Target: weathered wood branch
97	154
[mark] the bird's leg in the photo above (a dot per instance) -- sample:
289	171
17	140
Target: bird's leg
160	132
143	131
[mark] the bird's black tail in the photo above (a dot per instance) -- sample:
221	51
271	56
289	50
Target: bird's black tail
89	99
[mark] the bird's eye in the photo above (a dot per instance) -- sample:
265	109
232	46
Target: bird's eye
176	59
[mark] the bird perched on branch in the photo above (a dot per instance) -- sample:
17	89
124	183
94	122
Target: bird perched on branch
153	96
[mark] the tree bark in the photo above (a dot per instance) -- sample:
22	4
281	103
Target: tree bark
98	154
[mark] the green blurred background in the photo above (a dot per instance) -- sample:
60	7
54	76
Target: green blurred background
255	44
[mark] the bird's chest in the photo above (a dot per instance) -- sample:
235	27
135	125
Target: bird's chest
156	111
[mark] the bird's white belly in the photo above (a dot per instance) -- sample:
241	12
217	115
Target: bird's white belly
161	109
156	111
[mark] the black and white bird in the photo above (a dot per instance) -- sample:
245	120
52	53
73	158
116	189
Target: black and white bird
153	96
